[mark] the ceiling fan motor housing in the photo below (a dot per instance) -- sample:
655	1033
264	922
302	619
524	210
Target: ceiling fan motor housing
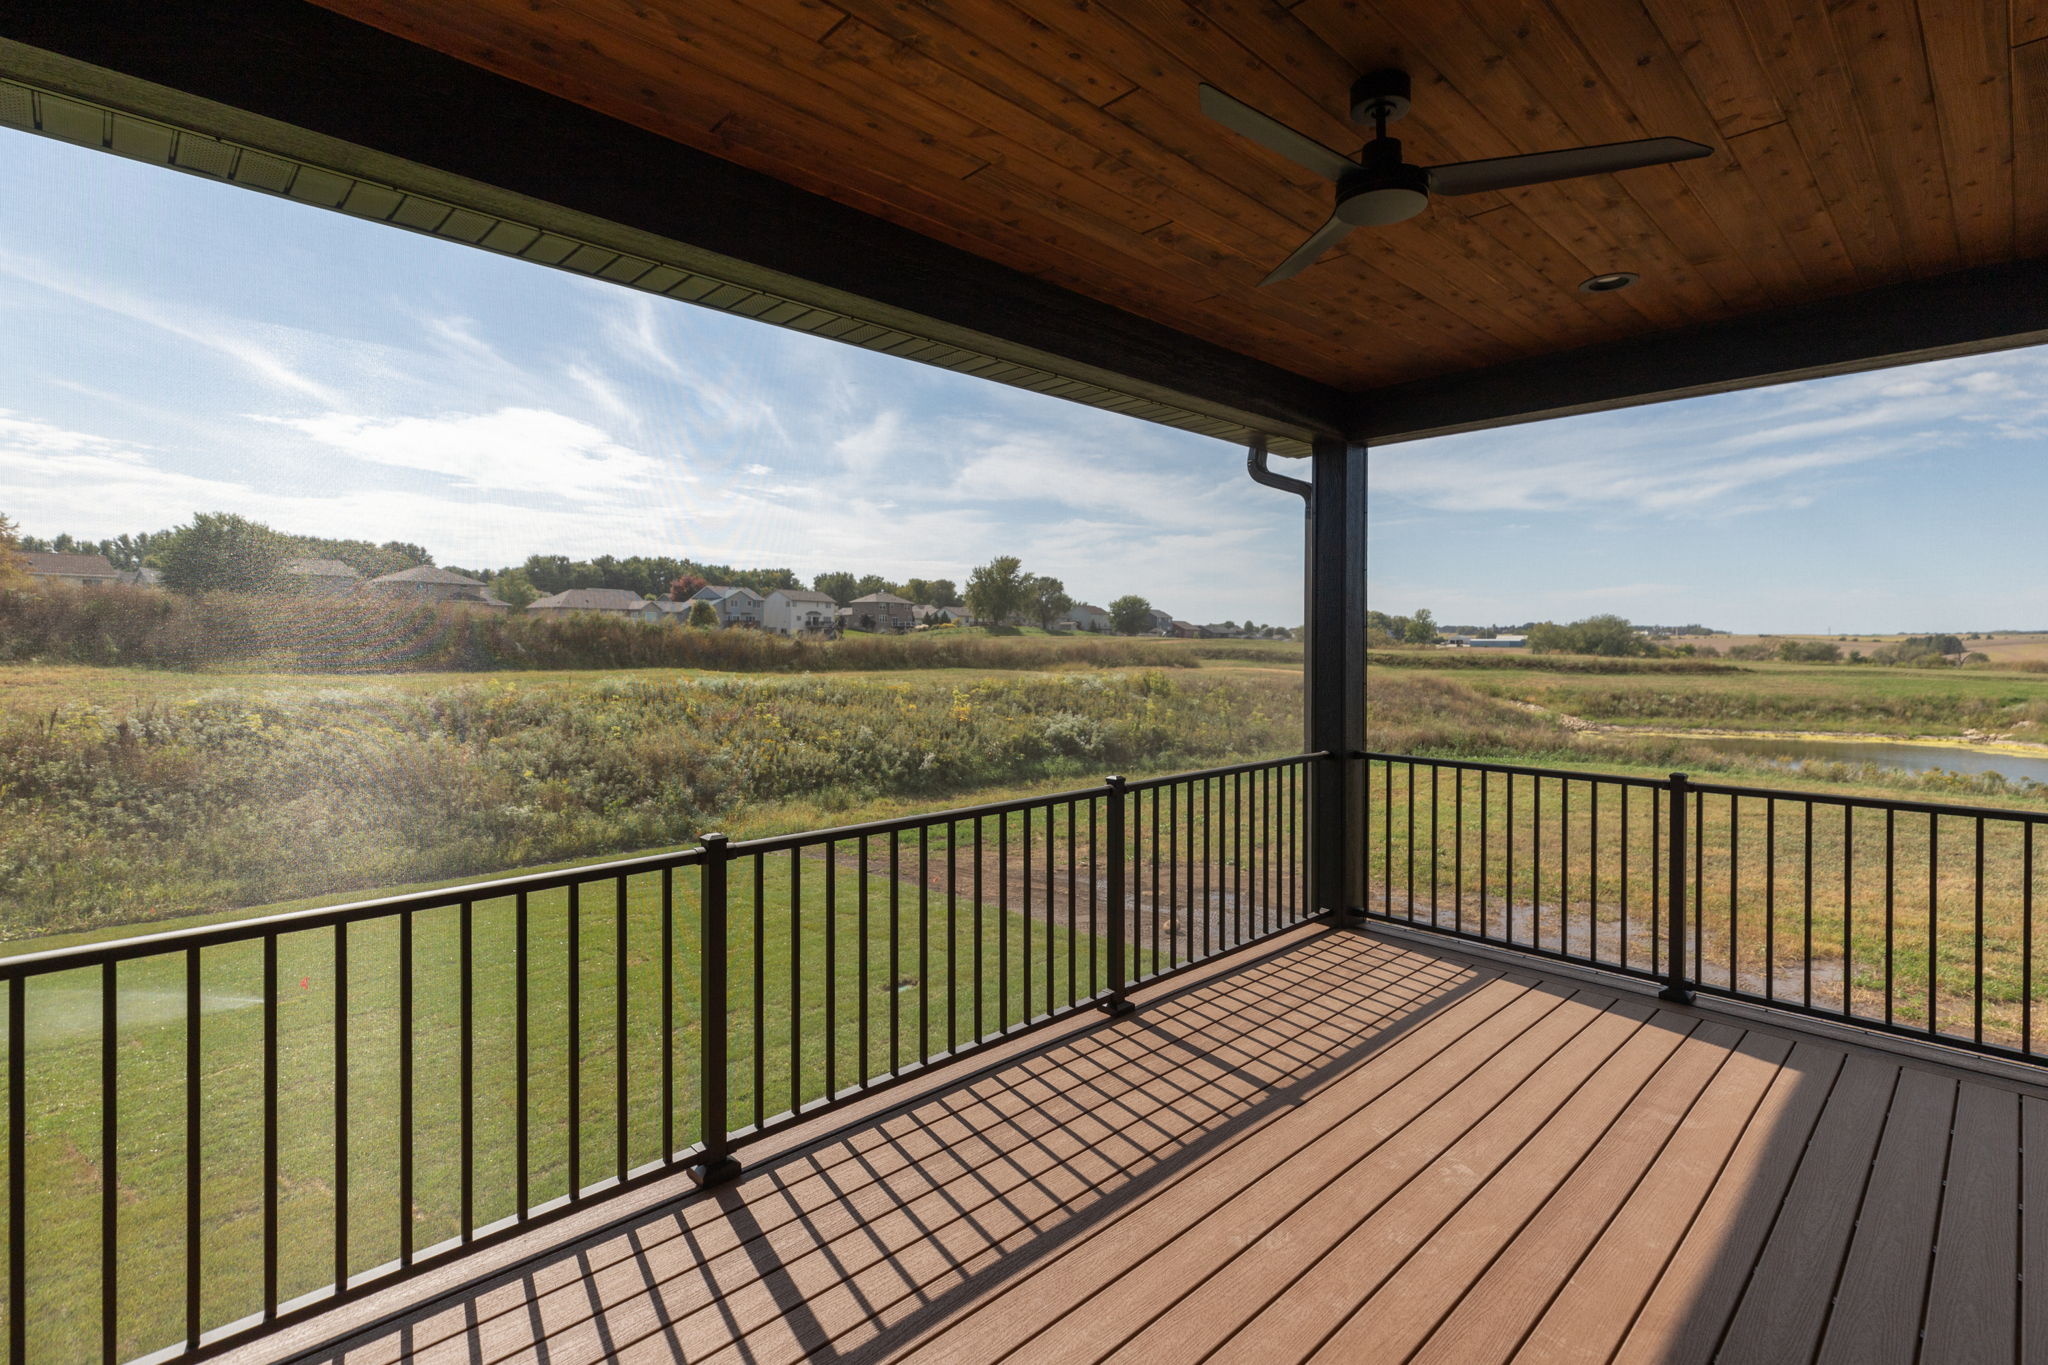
1380	94
1385	189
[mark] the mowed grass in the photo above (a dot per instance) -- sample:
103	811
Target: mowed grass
1904	918
943	966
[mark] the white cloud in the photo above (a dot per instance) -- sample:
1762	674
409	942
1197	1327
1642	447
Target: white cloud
513	450
865	449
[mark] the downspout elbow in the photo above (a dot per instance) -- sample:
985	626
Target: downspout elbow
1255	465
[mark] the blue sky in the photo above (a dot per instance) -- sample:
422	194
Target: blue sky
168	345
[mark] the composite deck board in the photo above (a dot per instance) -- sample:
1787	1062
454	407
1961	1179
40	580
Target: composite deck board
1351	1148
1973	1299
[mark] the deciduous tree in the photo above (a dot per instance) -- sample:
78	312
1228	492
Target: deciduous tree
998	592
1130	614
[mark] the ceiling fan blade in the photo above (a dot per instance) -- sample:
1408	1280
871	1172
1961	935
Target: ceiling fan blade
1274	135
1321	240
1507	172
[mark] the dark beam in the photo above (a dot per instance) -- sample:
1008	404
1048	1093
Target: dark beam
298	65
1972	311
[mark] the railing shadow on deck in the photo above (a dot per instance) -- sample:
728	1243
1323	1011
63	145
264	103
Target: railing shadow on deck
1081	1133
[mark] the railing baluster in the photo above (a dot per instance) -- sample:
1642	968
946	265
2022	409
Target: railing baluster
1771	904
867	985
668	1015
269	1127
467	990
980	916
796	974
405	1099
17	1168
522	1025
1073	917
1003	923
1024	820
924	948
621	1031
1848	911
1890	905
760	1017
1094	878
1626	836
2027	940
1978	1028
832	968
341	1106
194	1264
953	932
110	1177
1933	922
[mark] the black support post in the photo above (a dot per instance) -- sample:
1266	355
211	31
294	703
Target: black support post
717	1164
1335	703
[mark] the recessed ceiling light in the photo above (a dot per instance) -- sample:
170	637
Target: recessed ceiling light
1607	284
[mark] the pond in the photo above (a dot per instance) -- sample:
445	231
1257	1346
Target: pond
1911	758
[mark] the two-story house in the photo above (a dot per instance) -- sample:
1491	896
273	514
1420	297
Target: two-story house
883	612
800	611
735	606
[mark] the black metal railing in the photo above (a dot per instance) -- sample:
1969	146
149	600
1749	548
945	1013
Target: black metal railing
1908	916
215	1131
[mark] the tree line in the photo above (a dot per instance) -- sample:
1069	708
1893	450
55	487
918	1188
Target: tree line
226	552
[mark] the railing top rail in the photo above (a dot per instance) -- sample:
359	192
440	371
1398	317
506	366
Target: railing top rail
1518	769
321	917
782	843
1874	803
294	921
1956	809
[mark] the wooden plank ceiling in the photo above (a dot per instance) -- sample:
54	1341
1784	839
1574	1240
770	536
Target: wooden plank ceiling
1856	143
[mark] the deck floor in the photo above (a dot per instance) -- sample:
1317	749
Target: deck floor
1354	1149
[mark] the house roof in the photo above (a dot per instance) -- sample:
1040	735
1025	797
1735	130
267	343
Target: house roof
321	568
427	573
1088	607
713	592
590	599
664	604
885	598
802	595
48	564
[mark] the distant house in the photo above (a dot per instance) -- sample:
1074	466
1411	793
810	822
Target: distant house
799	611
667	612
86	570
328	577
735	606
884	612
1185	630
1157	622
611	601
429	584
1222	630
1085	617
1484	642
937	616
144	577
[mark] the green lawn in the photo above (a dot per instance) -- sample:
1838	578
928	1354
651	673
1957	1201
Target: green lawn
942	969
1762	881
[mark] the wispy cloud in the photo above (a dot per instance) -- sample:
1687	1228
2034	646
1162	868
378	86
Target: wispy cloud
260	349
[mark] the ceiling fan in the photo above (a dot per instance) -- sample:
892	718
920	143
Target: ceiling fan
1380	188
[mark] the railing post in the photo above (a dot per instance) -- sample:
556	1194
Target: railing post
1115	1003
1677	984
717	1164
